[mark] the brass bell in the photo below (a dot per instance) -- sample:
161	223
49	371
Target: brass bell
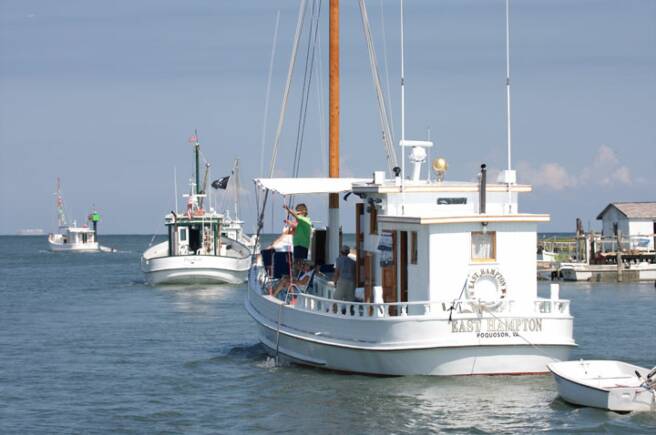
440	167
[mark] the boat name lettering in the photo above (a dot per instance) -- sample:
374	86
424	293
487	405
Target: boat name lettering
485	328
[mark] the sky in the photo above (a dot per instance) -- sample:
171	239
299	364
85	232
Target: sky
106	94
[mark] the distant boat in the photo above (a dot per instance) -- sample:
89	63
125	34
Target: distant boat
582	271
613	385
199	249
72	237
30	232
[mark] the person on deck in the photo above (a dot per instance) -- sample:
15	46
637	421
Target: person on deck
301	282
344	276
302	233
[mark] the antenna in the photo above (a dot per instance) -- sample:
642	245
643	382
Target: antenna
197	155
402	114
175	188
402	97
236	175
508	125
61	214
508	176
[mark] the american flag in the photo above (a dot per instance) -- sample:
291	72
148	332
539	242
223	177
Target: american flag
193	138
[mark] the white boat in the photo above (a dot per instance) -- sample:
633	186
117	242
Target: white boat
582	271
72	237
198	249
30	232
547	256
612	385
447	271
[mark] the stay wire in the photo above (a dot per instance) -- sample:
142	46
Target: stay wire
305	93
307	81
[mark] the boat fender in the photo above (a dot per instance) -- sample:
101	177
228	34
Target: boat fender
486	286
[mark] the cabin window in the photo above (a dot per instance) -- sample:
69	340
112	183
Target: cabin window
413	247
373	219
183	234
483	246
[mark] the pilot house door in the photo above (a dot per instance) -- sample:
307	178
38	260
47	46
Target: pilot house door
389	271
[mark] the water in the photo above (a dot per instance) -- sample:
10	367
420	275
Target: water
86	347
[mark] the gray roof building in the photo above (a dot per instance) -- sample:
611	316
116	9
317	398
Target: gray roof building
632	210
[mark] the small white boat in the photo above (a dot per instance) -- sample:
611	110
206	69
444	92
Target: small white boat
72	237
613	385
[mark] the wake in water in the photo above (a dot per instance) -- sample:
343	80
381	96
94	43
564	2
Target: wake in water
269	363
238	353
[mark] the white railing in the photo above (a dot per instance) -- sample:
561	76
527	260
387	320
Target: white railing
322	301
443	309
549	306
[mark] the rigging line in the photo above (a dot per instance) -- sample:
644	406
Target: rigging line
387	81
268	92
305	95
235	171
320	104
307	80
521	336
299	126
290	71
382	109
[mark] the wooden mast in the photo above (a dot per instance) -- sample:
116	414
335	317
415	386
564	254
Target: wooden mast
333	103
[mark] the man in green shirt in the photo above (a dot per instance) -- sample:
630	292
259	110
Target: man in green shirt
302	233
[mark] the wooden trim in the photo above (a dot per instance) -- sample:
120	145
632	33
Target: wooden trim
403	266
388	273
368	276
373	219
419	220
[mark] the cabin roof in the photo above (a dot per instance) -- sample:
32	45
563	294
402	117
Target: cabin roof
299	186
183	219
80	230
444	186
632	210
474	218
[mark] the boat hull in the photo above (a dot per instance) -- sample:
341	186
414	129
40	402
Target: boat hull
621	391
74	247
436	361
406	344
195	269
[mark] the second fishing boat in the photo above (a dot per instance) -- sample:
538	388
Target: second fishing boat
198	250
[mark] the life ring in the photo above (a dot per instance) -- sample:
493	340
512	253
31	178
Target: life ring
487	287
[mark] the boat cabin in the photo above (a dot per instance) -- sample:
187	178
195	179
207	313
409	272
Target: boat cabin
430	241
422	240
195	234
76	235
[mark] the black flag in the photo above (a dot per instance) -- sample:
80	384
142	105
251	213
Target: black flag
221	183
